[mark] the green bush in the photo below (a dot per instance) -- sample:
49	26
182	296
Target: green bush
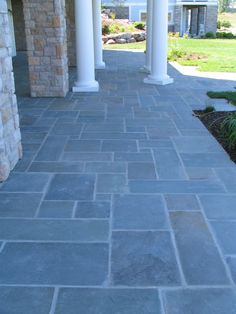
210	35
228	129
225	24
209	109
106	30
227	35
218	24
139	25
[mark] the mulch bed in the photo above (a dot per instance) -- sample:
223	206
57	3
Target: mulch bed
212	122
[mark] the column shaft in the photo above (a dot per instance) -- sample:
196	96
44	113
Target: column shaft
97	30
159	45
84	47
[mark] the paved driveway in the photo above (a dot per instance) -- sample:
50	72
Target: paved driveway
122	204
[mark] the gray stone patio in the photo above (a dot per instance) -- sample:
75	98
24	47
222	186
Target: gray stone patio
123	202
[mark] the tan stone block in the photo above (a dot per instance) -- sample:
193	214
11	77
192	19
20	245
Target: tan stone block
34	61
56	21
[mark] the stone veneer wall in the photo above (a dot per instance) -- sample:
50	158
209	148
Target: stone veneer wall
10	139
19	24
70	23
211	18
46	39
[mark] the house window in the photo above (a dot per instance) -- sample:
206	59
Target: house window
143	16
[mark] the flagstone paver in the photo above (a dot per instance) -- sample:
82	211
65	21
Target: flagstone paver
123	202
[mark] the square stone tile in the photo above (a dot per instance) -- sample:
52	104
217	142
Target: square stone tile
25	182
108	301
182	202
56	209
199	256
141	170
52	148
204	301
143	259
27	300
19	204
96	209
71	187
54	264
219	206
111	183
139	212
226	234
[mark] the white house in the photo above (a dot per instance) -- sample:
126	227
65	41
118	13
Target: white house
194	16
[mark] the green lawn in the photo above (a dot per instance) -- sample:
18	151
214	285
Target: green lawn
216	55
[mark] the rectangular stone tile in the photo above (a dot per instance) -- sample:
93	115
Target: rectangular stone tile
111	183
228	177
231	260
219	206
143	259
56	209
66	129
162	133
104	127
33	138
208	160
182	202
150	122
196	144
75	156
168	164
59	166
226	234
171	186
71	187
27	300
25	182
114	136
199	257
135	157
19	204
58	114
96	209
119	146
198	173
54	230
105	167
52	148
139	212
141	170
83	146
108	301
54	263
162	143
196	301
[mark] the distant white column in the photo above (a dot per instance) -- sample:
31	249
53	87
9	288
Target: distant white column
84	47
97	31
148	65
158	74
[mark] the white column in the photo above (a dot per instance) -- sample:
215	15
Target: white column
84	47
147	66
158	74
97	31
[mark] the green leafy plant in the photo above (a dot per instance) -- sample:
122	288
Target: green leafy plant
209	109
227	35
218	24
228	128
225	24
139	25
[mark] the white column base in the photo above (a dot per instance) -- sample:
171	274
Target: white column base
158	80
145	69
100	66
89	87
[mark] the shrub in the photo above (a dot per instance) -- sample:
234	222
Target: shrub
185	36
175	53
139	25
210	35
228	129
218	24
106	30
209	109
225	24
227	35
